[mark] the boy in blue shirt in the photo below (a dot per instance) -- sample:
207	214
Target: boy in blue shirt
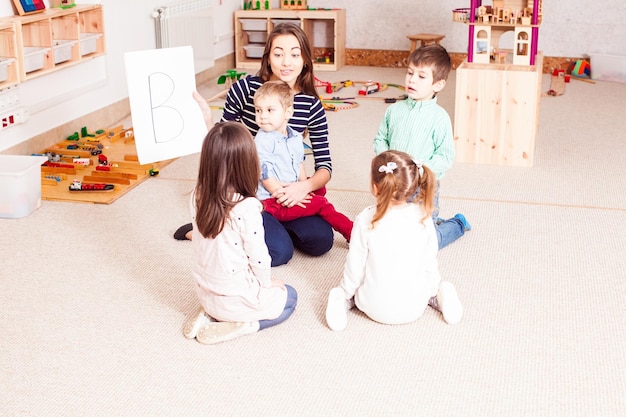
281	153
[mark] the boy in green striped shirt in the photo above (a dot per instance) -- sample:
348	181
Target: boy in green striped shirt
422	128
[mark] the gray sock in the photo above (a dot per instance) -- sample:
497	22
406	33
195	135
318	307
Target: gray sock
433	303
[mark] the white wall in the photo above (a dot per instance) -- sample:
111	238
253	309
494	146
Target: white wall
570	30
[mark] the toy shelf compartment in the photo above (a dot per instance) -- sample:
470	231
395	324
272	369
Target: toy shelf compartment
325	29
54	39
9	74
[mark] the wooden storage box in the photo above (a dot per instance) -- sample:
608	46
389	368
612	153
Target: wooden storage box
497	113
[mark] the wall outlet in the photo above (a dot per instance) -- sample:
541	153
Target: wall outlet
9	99
13	117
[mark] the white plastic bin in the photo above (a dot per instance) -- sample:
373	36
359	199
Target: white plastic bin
254	24
608	68
88	42
34	58
63	50
257	37
20	185
254	50
279	21
4	68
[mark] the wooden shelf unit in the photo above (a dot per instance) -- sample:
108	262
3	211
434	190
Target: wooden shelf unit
331	22
9	68
53	39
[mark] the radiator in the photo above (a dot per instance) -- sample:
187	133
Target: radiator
187	22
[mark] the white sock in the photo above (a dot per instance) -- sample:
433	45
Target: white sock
337	309
449	303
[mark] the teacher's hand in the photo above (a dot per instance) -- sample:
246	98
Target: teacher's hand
205	108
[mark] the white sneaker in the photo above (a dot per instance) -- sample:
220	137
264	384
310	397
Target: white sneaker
449	303
195	322
221	331
337	310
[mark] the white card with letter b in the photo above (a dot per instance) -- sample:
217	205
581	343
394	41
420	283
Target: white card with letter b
167	121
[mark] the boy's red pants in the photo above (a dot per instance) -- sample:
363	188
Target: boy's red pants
319	206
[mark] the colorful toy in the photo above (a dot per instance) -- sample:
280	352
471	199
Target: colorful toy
367	91
63	4
581	69
370	87
338	104
229	77
78	185
256	5
293	4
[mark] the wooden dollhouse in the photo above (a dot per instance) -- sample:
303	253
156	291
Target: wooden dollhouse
487	23
497	98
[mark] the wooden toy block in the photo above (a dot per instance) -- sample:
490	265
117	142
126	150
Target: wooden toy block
110	179
127	175
131	165
58	170
64	151
49	181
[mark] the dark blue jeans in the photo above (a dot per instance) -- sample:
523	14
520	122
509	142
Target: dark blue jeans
312	235
290	306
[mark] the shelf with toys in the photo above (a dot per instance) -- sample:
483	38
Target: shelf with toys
325	28
51	39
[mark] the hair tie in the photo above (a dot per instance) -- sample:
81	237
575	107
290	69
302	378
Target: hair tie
388	169
420	167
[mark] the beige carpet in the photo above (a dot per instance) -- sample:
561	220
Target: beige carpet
93	297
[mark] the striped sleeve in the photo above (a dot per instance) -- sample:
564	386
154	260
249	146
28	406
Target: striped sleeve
239	106
309	114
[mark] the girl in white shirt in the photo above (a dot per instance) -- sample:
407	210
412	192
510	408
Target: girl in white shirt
232	262
391	271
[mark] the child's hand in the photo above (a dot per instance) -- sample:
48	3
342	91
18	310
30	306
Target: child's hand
278	283
293	194
206	110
